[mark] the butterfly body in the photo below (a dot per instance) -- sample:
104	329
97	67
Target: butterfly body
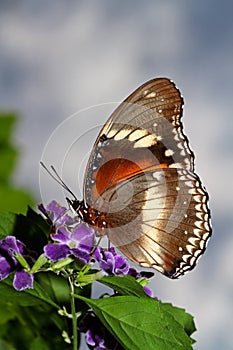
140	186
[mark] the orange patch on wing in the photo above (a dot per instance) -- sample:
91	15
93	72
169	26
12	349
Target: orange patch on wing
117	170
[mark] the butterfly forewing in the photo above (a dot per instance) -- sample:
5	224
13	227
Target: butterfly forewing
148	121
140	177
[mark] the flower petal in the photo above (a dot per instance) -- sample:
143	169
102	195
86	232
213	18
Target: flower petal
56	214
148	291
56	252
11	245
80	254
62	235
5	268
84	235
121	265
89	338
97	254
22	280
56	210
43	210
107	263
110	262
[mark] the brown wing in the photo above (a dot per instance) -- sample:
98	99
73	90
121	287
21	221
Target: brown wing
144	132
159	219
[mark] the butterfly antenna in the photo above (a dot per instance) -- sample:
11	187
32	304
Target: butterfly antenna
57	178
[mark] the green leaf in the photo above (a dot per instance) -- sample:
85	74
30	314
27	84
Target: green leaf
31	323
7	224
55	286
6	346
14	200
38	220
7	313
185	319
39	344
32	229
28	297
11	198
8	156
7	123
140	323
8	153
125	285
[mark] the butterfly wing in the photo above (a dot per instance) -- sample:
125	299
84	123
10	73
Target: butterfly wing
159	219
141	176
146	131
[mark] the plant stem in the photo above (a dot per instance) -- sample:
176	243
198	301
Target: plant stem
74	316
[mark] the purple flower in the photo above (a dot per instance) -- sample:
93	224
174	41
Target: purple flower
110	262
22	280
10	247
78	242
97	336
56	214
148	291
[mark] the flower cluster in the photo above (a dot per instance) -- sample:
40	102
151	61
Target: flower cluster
77	240
110	262
12	253
69	238
97	336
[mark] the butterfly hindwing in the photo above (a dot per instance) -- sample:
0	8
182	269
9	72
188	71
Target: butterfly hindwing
159	219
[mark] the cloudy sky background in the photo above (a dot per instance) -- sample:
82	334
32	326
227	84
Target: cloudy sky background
60	58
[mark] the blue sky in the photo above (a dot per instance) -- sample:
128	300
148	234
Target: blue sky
58	58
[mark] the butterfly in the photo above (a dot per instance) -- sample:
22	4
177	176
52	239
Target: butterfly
140	186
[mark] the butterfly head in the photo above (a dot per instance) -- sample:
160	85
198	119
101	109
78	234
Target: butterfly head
74	204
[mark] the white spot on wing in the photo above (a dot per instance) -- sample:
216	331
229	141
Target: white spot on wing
182	152
169	152
122	134
192	240
151	210
151	94
199	224
175	165
146	141
190	248
112	133
185	258
137	134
